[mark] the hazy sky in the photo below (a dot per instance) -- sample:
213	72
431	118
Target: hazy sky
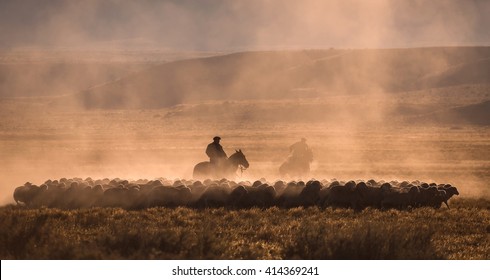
243	24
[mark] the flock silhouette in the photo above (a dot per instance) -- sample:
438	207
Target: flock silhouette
77	193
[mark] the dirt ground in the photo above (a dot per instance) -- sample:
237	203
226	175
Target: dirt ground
38	143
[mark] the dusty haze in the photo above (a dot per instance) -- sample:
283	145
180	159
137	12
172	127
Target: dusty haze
138	89
243	24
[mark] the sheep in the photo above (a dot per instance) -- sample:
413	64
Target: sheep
372	183
322	197
207	182
334	183
289	197
197	189
75	196
437	199
134	198
344	196
256	183
213	196
232	184
310	194
404	184
54	195
27	194
114	197
427	196
139	194
184	196
169	196
96	194
279	186
372	196
177	183
445	193
262	196
399	198
238	197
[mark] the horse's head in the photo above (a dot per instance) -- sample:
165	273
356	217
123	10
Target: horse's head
239	158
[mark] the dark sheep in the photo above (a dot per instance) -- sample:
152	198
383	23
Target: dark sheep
114	197
289	197
140	194
372	196
256	184
399	198
334	183
310	194
404	184
372	183
279	186
427	197
344	197
169	196
449	191
54	195
262	196
27	194
238	198
214	196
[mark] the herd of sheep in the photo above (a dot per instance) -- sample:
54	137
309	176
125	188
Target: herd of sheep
84	193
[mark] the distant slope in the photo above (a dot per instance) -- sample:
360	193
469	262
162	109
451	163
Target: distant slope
441	106
476	114
235	76
36	79
474	72
291	74
34	73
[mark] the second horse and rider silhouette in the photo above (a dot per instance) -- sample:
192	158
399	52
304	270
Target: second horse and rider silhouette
298	162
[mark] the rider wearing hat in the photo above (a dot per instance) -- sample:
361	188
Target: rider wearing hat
300	150
215	152
301	153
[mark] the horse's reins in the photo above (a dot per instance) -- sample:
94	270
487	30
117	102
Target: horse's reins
241	169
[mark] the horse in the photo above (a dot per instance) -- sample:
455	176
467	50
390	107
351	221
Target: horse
295	167
206	169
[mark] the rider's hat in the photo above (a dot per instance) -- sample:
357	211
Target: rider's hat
216	138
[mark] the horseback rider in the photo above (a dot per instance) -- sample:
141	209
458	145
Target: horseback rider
301	151
219	165
215	152
298	162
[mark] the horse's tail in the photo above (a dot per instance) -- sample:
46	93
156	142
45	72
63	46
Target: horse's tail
283	168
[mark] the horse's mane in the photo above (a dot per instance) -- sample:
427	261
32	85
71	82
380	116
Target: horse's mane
235	154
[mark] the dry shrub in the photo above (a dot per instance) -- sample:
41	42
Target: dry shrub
273	233
361	240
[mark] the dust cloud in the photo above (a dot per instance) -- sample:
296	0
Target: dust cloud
128	89
234	25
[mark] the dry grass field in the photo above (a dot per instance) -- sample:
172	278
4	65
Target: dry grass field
297	233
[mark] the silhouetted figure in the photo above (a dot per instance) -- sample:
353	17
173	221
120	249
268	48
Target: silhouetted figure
215	152
300	150
219	165
298	162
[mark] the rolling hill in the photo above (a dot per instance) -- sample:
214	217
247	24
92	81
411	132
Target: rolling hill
474	114
430	85
292	74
